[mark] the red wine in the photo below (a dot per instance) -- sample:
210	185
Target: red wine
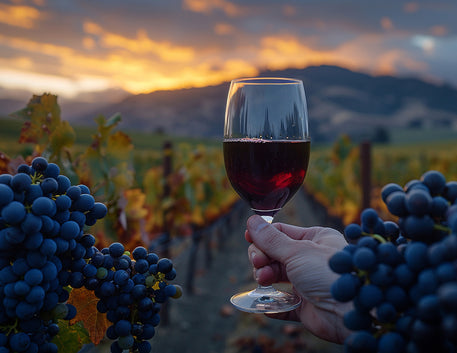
266	173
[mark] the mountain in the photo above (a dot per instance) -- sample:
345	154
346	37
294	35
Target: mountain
339	101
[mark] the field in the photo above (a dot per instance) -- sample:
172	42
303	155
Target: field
150	190
333	176
175	198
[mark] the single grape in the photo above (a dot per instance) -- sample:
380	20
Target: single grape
435	181
52	171
391	342
116	249
13	213
19	342
164	265
20	182
364	259
353	231
396	203
44	206
49	186
345	287
6	195
361	341
356	320
418	202
39	164
388	189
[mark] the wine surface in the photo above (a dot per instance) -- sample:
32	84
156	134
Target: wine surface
266	173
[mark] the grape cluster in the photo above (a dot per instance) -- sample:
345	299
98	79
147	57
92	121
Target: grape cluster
130	292
402	276
43	250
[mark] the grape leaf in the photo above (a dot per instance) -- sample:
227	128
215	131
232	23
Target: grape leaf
135	208
71	338
4	163
95	323
44	127
63	136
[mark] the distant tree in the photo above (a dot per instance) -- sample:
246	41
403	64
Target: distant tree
381	135
415	124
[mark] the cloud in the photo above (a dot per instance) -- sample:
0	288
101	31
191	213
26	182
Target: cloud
39	83
208	6
224	29
284	51
439	30
141	44
386	23
411	7
19	16
167	44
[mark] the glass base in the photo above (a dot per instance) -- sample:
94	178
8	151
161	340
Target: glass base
266	300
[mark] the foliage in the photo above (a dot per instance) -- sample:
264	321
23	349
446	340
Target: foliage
138	209
94	322
334	177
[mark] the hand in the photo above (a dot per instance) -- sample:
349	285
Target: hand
281	252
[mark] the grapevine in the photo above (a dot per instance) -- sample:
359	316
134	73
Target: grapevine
334	175
402	276
46	254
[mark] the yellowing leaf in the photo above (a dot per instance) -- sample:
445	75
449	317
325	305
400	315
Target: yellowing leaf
135	208
119	145
63	136
43	125
95	323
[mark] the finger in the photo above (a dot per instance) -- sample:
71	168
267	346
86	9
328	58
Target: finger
309	233
287	316
247	236
257	257
270	240
270	274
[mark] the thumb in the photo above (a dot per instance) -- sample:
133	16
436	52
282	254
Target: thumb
276	244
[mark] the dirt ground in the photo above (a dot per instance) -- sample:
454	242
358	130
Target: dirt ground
205	321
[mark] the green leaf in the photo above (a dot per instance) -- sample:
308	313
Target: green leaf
71	338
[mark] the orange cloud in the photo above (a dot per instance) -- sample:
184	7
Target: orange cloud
134	71
141	64
19	16
223	29
438	31
411	7
89	43
207	6
289	10
35	47
386	23
281	52
367	52
388	63
142	44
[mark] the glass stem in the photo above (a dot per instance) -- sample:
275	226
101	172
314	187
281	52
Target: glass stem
268	219
266	289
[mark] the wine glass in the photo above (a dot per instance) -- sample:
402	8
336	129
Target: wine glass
266	152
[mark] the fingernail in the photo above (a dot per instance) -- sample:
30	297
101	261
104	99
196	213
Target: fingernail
252	255
257	274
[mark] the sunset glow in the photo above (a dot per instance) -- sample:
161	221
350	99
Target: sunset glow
48	46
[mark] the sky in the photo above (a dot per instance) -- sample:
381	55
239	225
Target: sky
71	47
